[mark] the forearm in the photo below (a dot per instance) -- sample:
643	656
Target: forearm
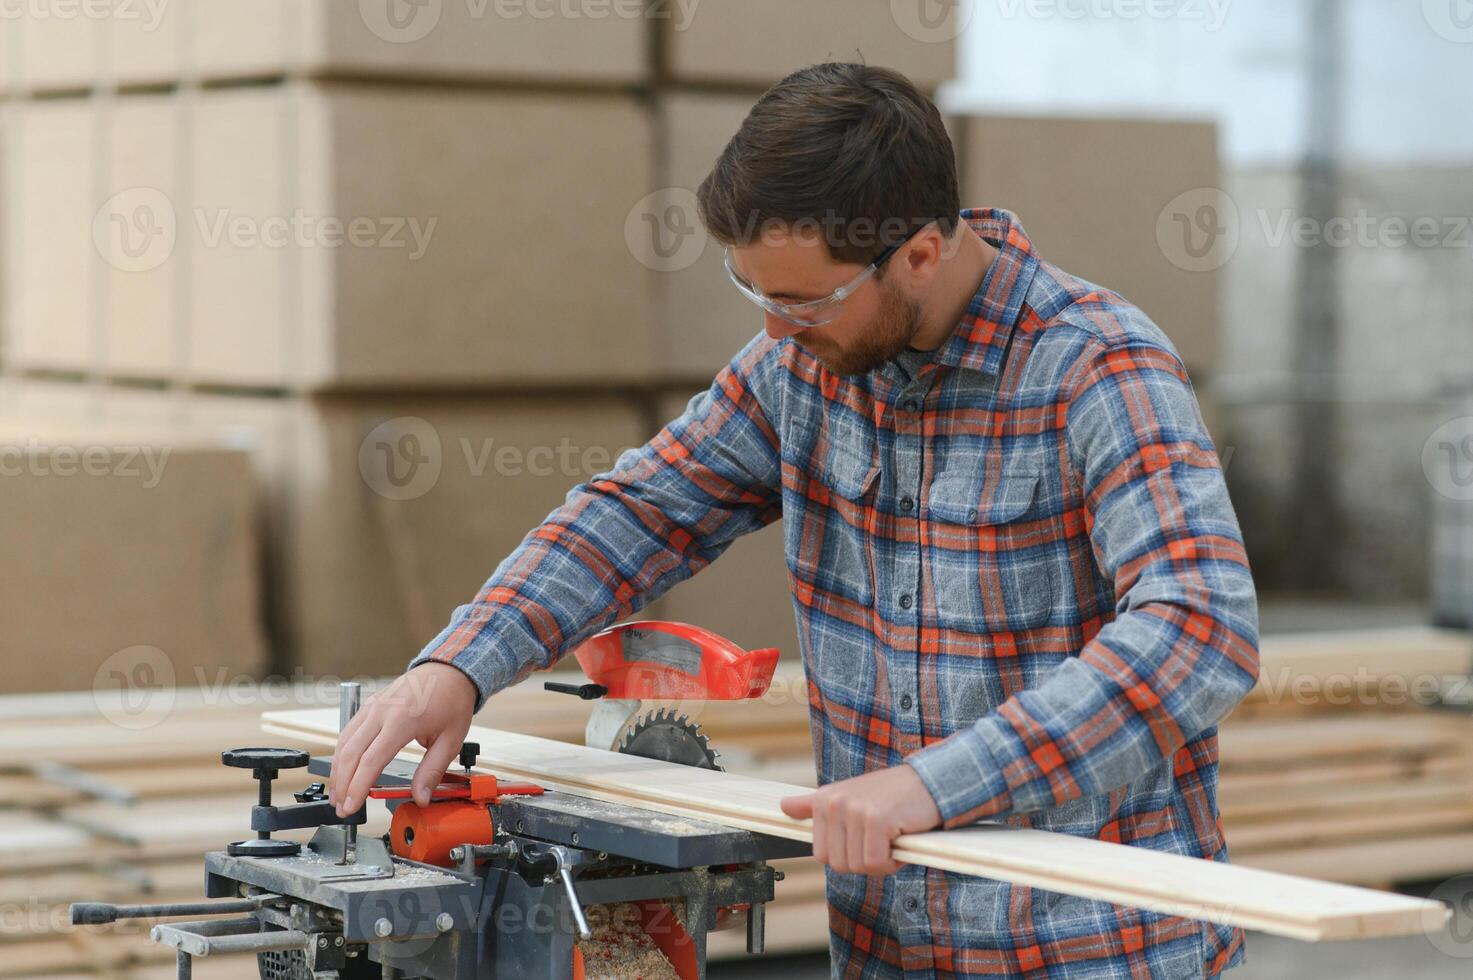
625	537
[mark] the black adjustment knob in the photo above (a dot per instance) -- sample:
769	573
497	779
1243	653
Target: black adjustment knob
265	763
314	793
468	753
258	758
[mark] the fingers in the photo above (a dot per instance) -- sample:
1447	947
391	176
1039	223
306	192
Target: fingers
797	807
876	854
859	836
385	747
820	836
836	844
438	756
351	745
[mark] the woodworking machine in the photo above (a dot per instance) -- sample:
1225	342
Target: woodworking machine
498	878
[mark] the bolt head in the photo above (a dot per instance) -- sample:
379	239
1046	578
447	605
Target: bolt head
383	928
322	942
444	922
457	854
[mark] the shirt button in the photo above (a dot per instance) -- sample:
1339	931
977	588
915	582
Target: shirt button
907	504
905	601
905	702
911	904
911	405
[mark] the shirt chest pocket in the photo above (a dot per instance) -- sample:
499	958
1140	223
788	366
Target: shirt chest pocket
829	534
992	548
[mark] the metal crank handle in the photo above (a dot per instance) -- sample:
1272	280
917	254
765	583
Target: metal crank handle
567	877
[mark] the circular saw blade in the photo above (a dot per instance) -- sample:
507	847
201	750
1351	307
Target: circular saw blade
669	737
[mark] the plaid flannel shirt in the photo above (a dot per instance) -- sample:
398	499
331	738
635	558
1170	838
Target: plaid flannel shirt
1017	571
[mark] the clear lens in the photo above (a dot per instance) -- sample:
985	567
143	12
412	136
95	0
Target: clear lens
811	314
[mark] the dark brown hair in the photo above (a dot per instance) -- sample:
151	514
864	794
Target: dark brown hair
856	150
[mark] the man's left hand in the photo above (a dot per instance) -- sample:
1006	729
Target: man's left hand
854	820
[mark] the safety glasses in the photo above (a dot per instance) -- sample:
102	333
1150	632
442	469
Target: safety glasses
817	312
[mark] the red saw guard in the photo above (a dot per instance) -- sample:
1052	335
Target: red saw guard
662	661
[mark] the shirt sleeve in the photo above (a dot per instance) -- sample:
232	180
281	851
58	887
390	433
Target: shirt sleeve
1183	647
623	538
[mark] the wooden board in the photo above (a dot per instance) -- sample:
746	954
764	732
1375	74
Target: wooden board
1294	907
1331	666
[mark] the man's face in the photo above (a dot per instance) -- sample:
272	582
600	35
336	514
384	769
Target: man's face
873	325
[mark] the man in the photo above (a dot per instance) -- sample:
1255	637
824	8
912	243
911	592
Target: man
1020	587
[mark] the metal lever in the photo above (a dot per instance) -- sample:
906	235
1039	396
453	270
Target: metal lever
350	699
567	877
537	856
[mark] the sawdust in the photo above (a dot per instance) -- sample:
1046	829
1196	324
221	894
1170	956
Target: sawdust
619	949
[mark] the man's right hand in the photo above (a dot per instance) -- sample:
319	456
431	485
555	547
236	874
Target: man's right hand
431	704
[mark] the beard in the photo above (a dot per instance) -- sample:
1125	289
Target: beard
894	327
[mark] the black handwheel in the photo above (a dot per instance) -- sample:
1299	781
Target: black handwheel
264	763
263	758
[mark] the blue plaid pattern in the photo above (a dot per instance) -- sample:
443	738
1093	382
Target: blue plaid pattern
1016	570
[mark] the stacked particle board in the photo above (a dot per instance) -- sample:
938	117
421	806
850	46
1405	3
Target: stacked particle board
65	48
382	514
307	236
126	558
753	43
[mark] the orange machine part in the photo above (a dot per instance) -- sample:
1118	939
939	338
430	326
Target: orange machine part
426	834
654	660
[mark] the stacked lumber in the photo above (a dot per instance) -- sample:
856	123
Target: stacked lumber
1337	765
91	810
